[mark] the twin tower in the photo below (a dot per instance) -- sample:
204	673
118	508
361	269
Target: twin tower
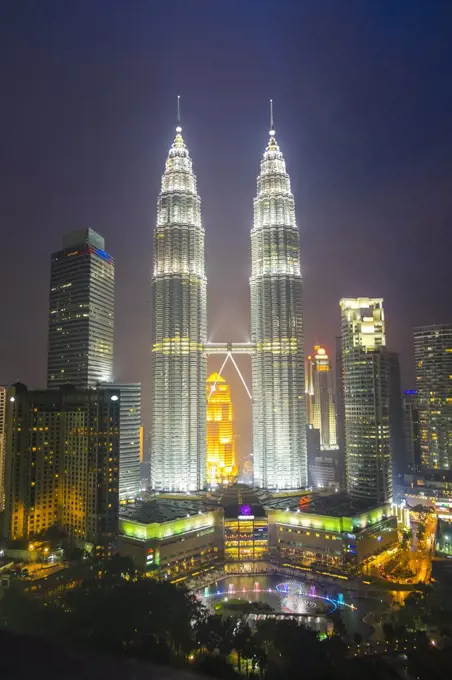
179	341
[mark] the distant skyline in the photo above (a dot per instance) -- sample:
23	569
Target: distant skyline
363	115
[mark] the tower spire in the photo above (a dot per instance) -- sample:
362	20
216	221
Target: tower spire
178	128
178	141
272	145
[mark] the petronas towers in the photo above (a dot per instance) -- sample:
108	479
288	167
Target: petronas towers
179	342
279	415
178	444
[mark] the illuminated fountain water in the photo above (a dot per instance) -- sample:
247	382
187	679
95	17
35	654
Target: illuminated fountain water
289	597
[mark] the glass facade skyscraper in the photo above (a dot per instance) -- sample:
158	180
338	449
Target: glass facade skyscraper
365	364
129	438
433	357
81	312
178	438
411	431
279	411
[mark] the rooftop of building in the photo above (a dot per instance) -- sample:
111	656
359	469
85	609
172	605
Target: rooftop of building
80	237
241	499
419	478
162	509
67	392
338	505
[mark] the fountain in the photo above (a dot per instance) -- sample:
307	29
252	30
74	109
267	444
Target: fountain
340	598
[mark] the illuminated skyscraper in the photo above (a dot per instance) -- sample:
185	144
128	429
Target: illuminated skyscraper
62	463
396	418
279	412
411	431
221	466
321	412
366	397
433	356
81	314
129	439
178	446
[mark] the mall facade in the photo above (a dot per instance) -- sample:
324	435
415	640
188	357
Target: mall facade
240	528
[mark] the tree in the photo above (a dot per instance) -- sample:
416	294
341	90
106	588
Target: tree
243	642
116	568
216	666
54	536
389	632
73	554
339	626
358	638
215	632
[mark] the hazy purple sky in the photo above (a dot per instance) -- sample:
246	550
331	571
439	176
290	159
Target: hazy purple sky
363	114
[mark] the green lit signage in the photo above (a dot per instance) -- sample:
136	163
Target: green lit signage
159	531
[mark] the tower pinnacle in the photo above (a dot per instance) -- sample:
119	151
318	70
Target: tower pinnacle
178	128
272	145
272	129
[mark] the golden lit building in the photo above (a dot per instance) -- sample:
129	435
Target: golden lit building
62	463
221	465
321	412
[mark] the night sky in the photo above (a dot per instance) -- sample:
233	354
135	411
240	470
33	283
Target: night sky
363	115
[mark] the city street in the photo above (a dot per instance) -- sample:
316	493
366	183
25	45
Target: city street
420	561
415	558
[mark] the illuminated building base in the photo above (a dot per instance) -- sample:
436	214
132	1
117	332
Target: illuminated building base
238	526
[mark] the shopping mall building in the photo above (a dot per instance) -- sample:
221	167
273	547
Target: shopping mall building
180	536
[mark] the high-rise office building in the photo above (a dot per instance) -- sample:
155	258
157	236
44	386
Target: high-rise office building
62	463
81	312
366	400
279	410
433	357
178	440
340	413
411	431
396	430
129	439
2	446
321	412
221	464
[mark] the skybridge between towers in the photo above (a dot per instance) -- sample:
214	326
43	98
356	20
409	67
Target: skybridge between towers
228	349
